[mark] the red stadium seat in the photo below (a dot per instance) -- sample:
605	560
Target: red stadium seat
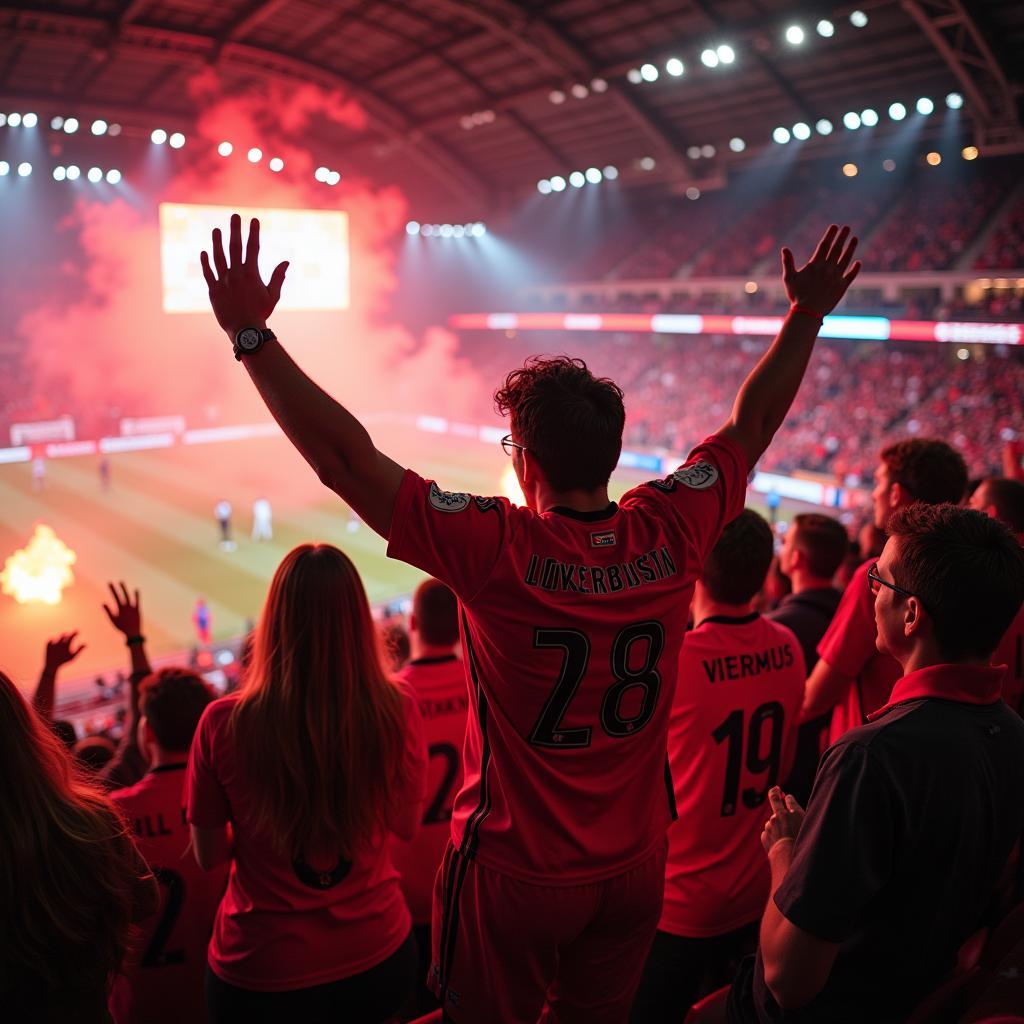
1005	936
710	1009
430	1018
948	1001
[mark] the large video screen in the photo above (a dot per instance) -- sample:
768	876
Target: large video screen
315	242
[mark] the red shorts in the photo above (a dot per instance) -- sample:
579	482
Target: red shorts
516	952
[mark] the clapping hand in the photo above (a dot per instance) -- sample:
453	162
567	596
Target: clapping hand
126	615
787	817
61	651
237	292
821	283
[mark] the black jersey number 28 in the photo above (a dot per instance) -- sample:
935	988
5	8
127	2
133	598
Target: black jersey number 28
626	673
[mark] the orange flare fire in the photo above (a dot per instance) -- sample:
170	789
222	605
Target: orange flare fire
40	571
510	487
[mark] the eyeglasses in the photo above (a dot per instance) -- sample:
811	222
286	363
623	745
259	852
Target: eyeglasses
875	583
509	445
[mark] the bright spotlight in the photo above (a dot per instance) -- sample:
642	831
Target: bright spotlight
826	28
225	149
176	141
888	165
593	175
633	75
556	96
934	158
649	73
693	152
850	170
709	59
74	173
412	228
158	136
869	117
59	173
737	145
781	135
71	125
114	130
322	174
276	164
963	354
801	131
30	120
707	151
113	176
56	123
925	106
458	230
334	177
24	169
726	54
794	35
897	111
647	163
446	231
577	179
852	120
969	152
99	127
750	287
953	100
580	91
13	120
5	168
478	230
693	192
3	120
611	172
598	85
544	187
823	126
558	183
427	230
674	66
858	19
255	155
95	175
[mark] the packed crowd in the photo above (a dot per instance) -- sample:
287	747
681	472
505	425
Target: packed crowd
597	789
1005	248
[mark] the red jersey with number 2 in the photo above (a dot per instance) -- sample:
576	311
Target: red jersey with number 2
572	624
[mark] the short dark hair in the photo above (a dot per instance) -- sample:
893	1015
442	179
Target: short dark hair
569	420
929	470
436	610
736	568
822	540
1008	498
966	568
173	701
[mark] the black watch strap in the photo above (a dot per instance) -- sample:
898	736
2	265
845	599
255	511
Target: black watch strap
251	339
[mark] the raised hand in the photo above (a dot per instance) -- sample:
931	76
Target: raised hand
126	615
61	651
820	284
237	292
787	817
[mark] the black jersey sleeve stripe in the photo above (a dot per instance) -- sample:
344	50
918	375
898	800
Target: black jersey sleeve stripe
458	866
470	838
670	787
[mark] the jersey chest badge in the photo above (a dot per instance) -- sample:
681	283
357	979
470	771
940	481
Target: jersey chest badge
603	539
447	501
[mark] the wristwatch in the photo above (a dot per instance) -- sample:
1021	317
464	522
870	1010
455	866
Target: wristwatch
251	339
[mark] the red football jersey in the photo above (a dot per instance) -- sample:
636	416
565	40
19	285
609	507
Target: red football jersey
163	977
849	647
1010	653
732	736
572	624
439	685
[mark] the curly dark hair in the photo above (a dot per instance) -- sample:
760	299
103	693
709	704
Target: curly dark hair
569	420
173	700
930	470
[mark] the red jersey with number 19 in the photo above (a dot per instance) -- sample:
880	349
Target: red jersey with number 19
731	738
572	624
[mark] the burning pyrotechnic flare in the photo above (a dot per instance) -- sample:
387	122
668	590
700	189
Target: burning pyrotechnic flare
40	571
510	487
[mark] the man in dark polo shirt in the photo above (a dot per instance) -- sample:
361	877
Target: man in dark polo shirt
914	814
812	551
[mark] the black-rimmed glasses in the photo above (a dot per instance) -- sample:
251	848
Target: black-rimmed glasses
875	583
509	446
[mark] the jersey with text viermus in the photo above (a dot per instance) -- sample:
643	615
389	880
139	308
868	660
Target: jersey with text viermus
572	624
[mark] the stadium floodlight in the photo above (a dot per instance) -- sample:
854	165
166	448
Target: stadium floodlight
334	177
579	90
321	174
869	117
823	126
794	35
577	179
852	120
556	96
707	151
781	135
969	152
888	165
801	131
13	120
113	176
30	120
693	152
649	73
598	85
925	106
59	173
276	164
255	155
176	141
709	58
427	230
225	149
56	123
953	100
114	130
850	170
693	192
70	125
99	127
446	231
674	66
544	187
458	230
825	28
737	145
633	75
963	354
897	111
3	120
934	158
858	19
95	175
74	172
479	230
611	172
5	168
593	175
558	183
24	169
157	136
726	54
412	228
647	163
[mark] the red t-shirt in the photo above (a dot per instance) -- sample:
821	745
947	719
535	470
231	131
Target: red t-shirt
440	688
571	630
849	647
162	982
276	928
1010	653
732	736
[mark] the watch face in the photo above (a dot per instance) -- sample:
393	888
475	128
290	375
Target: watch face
249	339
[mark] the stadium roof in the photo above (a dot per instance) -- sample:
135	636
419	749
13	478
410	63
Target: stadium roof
482	98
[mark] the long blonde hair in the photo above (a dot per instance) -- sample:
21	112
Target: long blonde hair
319	729
68	871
